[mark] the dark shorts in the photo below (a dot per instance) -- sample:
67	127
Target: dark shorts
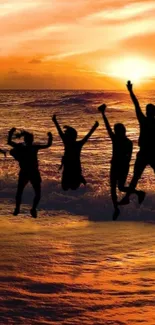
120	170
33	177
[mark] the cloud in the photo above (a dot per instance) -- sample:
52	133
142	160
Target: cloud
35	61
144	44
13	7
122	13
12	72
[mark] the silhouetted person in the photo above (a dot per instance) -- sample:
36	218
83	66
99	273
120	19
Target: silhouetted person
26	154
72	172
146	142
121	156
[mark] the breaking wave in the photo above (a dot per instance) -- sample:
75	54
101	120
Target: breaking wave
83	202
82	99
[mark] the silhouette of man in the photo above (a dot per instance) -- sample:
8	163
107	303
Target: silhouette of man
72	172
26	154
146	154
121	156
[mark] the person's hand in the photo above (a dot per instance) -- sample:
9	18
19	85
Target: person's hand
96	124
12	130
54	118
129	85
102	108
49	134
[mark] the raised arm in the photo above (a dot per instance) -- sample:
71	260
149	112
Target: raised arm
49	142
10	142
139	113
87	136
54	119
107	124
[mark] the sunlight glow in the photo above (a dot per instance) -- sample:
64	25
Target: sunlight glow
135	69
46	41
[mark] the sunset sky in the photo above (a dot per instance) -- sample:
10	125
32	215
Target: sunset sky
77	44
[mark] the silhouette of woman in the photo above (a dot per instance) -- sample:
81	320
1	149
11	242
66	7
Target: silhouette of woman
26	154
72	172
121	156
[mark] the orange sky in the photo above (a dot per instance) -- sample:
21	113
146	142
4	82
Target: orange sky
76	44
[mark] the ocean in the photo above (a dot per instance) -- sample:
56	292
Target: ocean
73	264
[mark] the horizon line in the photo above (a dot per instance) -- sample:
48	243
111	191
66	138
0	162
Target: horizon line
69	89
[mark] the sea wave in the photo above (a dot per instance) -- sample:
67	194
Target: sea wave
83	99
84	201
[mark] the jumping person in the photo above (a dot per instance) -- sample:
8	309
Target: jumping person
26	154
121	156
72	172
146	154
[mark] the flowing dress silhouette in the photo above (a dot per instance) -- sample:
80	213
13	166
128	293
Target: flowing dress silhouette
71	164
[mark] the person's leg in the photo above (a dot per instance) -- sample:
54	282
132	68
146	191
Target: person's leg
121	185
65	181
36	183
139	167
113	183
123	174
122	177
76	181
22	181
37	190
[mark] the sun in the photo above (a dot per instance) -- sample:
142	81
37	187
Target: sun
134	69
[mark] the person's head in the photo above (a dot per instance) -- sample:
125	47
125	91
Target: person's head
28	137
150	111
70	134
120	130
